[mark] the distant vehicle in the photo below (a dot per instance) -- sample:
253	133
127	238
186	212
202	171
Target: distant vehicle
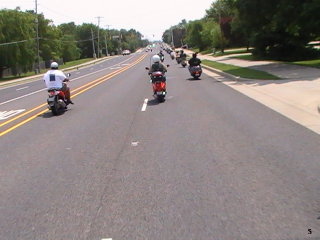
126	52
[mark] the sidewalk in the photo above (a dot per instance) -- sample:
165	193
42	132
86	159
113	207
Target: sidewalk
296	95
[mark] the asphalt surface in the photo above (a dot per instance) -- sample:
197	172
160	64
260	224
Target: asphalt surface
208	163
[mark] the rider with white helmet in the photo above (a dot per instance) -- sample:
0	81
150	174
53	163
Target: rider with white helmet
157	65
55	78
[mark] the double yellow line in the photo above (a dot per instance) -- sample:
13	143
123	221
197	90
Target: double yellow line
81	89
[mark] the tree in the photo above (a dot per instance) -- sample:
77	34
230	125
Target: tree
280	29
193	36
50	39
84	38
70	51
17	38
223	12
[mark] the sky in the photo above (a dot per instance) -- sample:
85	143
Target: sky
150	18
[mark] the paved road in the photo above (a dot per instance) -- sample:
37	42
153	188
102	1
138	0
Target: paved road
209	163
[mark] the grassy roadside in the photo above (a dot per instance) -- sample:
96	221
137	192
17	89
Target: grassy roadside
75	63
66	65
231	51
218	53
240	71
307	63
250	57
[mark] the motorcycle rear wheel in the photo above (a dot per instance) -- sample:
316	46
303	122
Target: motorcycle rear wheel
161	98
55	109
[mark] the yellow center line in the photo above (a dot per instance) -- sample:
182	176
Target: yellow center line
90	85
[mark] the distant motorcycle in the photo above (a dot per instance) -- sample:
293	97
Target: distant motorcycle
172	55
57	101
183	63
178	59
195	71
161	57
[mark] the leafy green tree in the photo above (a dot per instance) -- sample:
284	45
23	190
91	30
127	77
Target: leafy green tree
16	26
193	37
223	12
50	39
84	38
280	29
70	51
218	41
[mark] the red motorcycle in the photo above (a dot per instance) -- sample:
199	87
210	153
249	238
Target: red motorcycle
158	80
57	101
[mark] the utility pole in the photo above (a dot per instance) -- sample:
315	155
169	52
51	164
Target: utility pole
172	42
99	35
94	50
105	41
38	45
105	38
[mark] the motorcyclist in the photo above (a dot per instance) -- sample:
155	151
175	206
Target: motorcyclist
172	55
55	78
157	66
161	55
194	61
183	56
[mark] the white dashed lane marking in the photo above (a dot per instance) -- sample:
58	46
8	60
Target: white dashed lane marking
145	104
19	89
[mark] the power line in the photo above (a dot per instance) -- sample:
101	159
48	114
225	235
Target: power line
17	42
45	39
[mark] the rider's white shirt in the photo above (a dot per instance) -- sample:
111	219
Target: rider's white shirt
54	78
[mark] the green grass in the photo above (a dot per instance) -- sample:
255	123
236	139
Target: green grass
240	71
194	49
206	52
66	65
229	52
248	58
75	63
308	63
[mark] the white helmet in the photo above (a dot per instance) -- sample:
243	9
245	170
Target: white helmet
155	59
54	65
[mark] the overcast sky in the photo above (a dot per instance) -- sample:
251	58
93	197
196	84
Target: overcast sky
150	18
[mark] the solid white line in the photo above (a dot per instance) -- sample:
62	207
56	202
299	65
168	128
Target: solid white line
11	100
144	106
22	88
